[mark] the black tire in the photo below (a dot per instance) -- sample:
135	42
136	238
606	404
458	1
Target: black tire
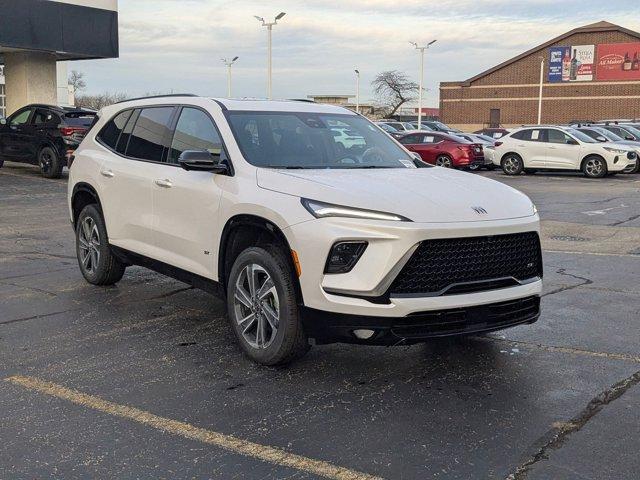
635	169
594	167
445	161
1	162
512	164
287	341
50	163
491	167
530	171
108	269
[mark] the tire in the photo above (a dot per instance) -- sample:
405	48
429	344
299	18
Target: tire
50	163
269	330
1	162
490	167
512	164
474	168
444	161
98	264
594	167
635	169
530	171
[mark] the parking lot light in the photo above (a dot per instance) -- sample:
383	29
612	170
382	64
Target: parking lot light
357	90
421	49
540	91
269	26
228	63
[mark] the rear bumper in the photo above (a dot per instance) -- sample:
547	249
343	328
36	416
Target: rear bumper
329	327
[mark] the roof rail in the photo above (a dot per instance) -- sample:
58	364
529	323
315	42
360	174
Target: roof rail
158	96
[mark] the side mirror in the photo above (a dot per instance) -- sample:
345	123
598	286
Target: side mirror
571	141
202	161
600	138
418	162
629	137
3	121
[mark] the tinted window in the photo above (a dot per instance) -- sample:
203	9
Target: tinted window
194	131
79	119
45	117
411	139
20	118
148	138
529	135
111	131
556	136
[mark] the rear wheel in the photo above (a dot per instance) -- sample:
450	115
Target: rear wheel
444	161
594	167
512	164
49	162
98	264
262	307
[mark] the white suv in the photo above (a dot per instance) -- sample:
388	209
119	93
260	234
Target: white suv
560	148
308	240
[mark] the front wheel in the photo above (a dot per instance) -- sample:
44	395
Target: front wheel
50	163
512	164
444	161
594	167
97	262
262	307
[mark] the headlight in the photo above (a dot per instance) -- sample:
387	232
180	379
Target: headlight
615	150
322	210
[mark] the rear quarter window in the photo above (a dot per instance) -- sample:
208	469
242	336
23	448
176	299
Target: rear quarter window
111	131
83	120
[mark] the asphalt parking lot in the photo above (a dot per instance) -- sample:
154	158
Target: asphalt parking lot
144	380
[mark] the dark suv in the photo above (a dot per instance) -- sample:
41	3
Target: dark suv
43	135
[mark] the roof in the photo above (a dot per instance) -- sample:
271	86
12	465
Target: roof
60	108
602	26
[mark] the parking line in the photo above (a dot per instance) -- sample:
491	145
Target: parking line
243	447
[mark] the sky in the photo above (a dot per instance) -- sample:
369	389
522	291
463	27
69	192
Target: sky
177	45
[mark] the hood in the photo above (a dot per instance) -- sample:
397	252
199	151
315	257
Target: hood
624	144
420	194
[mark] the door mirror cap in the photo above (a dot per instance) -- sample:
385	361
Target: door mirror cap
629	137
572	141
202	161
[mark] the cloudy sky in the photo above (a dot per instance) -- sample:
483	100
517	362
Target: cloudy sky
176	45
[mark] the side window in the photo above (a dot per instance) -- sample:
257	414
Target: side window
194	131
431	139
20	118
149	135
529	135
111	131
618	131
123	141
411	139
45	117
557	136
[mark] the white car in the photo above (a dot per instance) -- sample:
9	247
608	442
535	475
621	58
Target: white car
530	149
308	240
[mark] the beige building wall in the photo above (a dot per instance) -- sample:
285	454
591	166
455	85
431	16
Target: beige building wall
30	77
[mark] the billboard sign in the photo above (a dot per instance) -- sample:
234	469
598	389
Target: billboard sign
618	61
575	63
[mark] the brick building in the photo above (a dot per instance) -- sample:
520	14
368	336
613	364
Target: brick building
590	73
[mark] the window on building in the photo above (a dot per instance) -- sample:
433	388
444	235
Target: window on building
149	136
194	131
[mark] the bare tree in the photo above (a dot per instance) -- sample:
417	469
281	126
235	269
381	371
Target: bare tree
77	80
393	89
96	102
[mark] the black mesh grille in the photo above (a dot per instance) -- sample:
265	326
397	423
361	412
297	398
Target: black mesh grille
440	266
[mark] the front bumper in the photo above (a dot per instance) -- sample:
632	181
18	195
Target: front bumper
325	327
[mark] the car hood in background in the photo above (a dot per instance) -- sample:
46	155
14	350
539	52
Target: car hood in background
422	194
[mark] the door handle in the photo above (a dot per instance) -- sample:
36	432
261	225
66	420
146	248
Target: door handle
165	183
107	173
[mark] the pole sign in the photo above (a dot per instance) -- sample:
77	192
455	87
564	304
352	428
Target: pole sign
575	63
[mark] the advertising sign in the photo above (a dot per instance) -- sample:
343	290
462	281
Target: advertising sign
618	61
572	64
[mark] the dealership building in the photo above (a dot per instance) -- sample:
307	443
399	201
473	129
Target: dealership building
37	34
589	73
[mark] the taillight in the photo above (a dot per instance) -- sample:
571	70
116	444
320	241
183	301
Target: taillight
68	131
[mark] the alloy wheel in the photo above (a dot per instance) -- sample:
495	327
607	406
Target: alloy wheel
511	165
594	167
256	306
46	161
443	161
89	243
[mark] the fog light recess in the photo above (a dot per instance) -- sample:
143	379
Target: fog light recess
364	333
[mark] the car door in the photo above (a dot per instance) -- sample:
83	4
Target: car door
185	203
14	136
127	176
416	143
45	123
562	150
531	146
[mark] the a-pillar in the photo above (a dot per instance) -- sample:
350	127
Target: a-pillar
30	77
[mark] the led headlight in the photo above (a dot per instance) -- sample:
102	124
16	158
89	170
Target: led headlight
322	210
615	150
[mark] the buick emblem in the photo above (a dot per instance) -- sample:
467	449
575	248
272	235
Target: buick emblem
479	210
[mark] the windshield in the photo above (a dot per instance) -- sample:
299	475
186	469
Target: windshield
608	135
583	137
313	140
633	130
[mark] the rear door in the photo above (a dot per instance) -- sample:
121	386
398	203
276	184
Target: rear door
14	136
185	203
560	153
531	145
416	142
45	128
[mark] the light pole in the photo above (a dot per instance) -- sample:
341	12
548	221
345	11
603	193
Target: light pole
422	49
269	26
357	90
228	63
540	90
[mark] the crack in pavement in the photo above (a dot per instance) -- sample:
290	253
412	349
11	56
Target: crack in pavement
44	254
33	317
630	219
563	271
557	436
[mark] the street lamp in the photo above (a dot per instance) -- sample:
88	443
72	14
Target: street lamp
357	90
228	63
540	90
422	49
269	26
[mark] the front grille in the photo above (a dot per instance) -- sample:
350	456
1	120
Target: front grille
465	265
480	318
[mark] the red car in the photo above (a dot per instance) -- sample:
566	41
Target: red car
443	149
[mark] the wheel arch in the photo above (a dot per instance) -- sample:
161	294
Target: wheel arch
511	152
245	230
593	155
83	194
